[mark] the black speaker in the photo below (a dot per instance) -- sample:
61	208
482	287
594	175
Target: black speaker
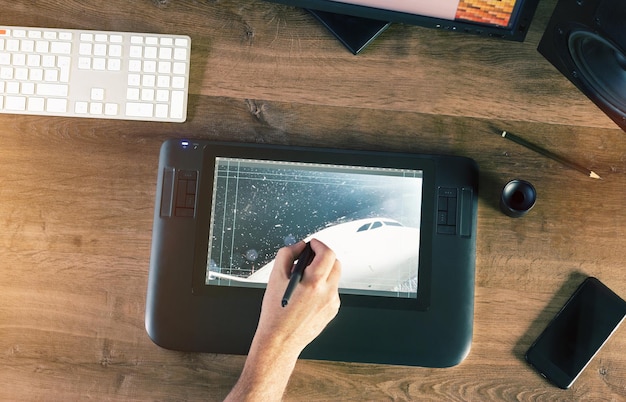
586	41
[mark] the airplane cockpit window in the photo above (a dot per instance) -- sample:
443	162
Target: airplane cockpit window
364	227
377	224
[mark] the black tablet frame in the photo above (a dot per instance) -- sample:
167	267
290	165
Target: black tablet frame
184	313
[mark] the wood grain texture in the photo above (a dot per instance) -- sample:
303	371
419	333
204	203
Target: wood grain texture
76	199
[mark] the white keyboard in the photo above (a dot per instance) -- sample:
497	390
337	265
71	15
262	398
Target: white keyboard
78	73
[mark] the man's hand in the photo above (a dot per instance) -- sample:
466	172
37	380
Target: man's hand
314	303
283	332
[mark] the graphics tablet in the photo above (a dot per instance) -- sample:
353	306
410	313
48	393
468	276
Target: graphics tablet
402	225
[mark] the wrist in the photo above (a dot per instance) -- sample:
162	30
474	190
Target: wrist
273	351
266	371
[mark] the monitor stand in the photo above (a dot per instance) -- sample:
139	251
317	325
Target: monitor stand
354	32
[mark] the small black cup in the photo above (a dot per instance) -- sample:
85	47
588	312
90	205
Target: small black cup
517	198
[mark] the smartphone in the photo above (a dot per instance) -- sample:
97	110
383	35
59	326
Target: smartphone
577	333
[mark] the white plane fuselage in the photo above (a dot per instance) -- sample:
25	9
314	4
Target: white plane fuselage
375	254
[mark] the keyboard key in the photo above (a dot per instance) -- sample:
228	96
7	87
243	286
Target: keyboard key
136	52
161	110
42	46
115	51
28	88
15	102
50	75
139	109
21	73
134	80
60	47
179	68
162	95
64	63
178	104
147	95
100	49
6	73
36	104
97	93
111	109
132	94
84	63
13	88
35	74
148	80
165	53
56	90
19	59
33	60
85	49
27	46
48	61
99	63
134	65
165	67
181	42
81	107
178	82
114	65
180	54
12	45
150	52
96	108
56	105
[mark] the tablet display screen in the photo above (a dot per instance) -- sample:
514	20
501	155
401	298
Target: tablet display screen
369	216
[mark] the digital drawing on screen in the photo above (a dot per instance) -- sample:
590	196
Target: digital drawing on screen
490	12
369	216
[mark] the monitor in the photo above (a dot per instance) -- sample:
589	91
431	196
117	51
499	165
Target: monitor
506	19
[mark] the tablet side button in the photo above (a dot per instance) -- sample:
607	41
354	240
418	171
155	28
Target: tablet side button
186	193
167	192
465	214
447	211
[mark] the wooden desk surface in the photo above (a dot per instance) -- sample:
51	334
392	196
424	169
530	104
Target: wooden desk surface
76	199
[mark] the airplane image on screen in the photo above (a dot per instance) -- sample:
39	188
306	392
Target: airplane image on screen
376	254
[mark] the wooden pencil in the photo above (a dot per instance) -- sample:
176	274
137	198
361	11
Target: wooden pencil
550	154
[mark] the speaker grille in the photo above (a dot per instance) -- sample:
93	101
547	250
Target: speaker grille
601	65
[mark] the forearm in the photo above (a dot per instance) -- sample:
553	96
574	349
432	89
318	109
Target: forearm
265	374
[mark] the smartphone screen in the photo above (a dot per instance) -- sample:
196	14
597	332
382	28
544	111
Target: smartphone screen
576	333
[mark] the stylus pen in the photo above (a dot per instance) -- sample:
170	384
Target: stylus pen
550	155
304	259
